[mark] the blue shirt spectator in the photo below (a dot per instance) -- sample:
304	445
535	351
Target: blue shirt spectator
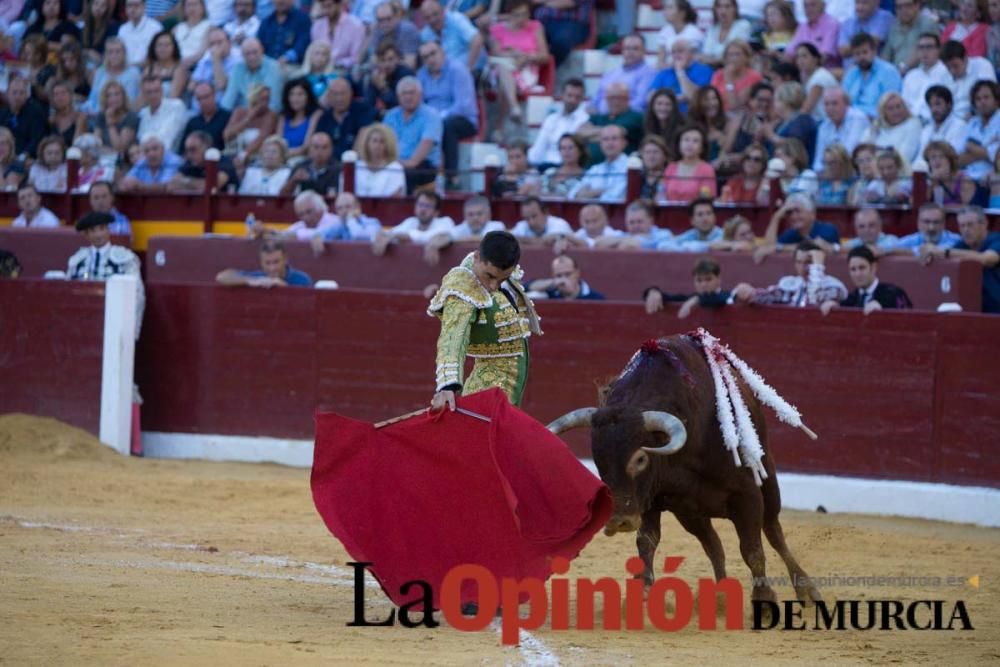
865	87
457	35
256	68
285	33
145	174
293	277
915	241
412	128
693	240
877	24
820	230
451	92
699	73
991	274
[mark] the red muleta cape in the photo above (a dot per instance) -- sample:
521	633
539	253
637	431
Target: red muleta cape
421	496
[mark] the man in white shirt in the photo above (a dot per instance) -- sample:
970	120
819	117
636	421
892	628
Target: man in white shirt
608	180
477	221
929	71
33	214
545	151
593	227
476	225
138	31
537	226
944	125
163	118
419	228
965	72
843	124
246	22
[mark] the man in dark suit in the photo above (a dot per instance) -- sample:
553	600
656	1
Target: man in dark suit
869	293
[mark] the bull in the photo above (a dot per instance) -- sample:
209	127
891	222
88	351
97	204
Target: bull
658	445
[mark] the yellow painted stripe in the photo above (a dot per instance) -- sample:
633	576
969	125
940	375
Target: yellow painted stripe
238	228
142	230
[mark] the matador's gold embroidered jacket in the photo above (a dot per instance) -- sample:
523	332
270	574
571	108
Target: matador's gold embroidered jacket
486	327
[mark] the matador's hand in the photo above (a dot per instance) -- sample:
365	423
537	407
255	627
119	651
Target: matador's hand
441	399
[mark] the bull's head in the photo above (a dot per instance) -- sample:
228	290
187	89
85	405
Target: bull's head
624	444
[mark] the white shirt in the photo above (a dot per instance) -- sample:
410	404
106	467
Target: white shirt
823	78
848	135
609	231
411	229
668	35
553	225
388	181
713	48
138	37
866	294
43	219
904	137
239	31
961	89
303	232
191	39
952	130
258	181
219	11
167	122
609	178
463	231
915	84
546	146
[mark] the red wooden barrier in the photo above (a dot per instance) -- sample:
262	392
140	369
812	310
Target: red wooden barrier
41	250
897	395
893	395
619	275
51	343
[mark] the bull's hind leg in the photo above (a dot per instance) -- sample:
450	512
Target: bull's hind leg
701	527
805	591
746	513
646	541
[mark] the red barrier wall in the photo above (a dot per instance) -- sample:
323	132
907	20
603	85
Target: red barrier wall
895	395
51	344
618	275
41	250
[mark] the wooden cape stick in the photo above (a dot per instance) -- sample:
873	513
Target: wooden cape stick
421	411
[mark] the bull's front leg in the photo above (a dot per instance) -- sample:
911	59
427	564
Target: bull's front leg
646	541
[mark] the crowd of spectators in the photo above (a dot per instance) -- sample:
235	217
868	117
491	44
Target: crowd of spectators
840	103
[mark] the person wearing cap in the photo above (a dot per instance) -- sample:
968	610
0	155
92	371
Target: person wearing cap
100	260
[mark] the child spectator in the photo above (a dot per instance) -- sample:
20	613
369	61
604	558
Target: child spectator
518	178
893	186
48	173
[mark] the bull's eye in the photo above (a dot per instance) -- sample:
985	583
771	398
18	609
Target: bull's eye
638	463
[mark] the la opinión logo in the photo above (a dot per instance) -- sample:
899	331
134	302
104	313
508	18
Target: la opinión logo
506	594
638	603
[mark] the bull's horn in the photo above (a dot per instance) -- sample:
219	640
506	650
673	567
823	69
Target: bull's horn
666	423
579	417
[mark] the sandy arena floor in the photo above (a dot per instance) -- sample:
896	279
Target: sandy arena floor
113	561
